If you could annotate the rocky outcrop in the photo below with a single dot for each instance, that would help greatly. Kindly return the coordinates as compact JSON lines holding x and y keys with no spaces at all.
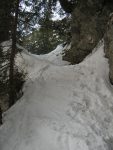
{"x":0,"y":116}
{"x":89,"y":20}
{"x":108,"y":48}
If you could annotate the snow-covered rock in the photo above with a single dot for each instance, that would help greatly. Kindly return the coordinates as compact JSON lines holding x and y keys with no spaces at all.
{"x":63,"y":107}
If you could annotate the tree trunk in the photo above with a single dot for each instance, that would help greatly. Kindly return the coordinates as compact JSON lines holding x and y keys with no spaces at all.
{"x":12,"y":57}
{"x":68,"y":6}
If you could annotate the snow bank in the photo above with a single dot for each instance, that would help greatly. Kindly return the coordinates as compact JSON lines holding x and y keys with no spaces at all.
{"x":63,"y":107}
{"x":55,"y":56}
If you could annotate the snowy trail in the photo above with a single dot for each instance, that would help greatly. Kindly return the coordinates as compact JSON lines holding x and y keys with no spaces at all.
{"x":63,"y":108}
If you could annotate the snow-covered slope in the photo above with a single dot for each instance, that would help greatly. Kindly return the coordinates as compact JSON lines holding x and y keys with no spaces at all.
{"x":63,"y":107}
{"x":55,"y":56}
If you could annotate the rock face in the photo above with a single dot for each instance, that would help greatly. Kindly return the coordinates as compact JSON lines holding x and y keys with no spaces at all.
{"x":108,"y":40}
{"x":0,"y":116}
{"x":89,"y":20}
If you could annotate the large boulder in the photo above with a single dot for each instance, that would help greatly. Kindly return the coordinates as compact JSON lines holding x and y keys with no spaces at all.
{"x":108,"y":48}
{"x":89,"y":20}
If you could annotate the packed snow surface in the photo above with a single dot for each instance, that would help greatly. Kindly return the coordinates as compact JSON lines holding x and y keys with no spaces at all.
{"x":67,"y":107}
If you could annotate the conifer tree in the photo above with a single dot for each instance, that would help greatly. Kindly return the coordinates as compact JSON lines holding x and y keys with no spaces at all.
{"x":12,"y":55}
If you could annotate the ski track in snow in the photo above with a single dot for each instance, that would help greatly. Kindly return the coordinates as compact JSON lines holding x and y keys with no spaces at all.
{"x":63,"y":107}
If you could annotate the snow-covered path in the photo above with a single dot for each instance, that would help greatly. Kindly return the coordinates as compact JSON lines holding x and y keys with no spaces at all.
{"x":63,"y":108}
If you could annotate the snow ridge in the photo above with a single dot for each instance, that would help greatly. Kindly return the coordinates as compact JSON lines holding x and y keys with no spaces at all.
{"x":63,"y":108}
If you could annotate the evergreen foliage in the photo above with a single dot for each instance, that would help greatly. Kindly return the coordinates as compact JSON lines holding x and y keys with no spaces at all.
{"x":5,"y":19}
{"x":46,"y":38}
{"x":7,"y":54}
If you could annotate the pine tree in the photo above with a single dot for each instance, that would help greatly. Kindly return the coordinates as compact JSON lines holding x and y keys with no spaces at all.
{"x":12,"y":56}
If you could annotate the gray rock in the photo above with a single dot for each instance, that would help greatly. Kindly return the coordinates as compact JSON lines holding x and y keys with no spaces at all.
{"x":108,"y":40}
{"x":89,"y":21}
{"x":0,"y":116}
